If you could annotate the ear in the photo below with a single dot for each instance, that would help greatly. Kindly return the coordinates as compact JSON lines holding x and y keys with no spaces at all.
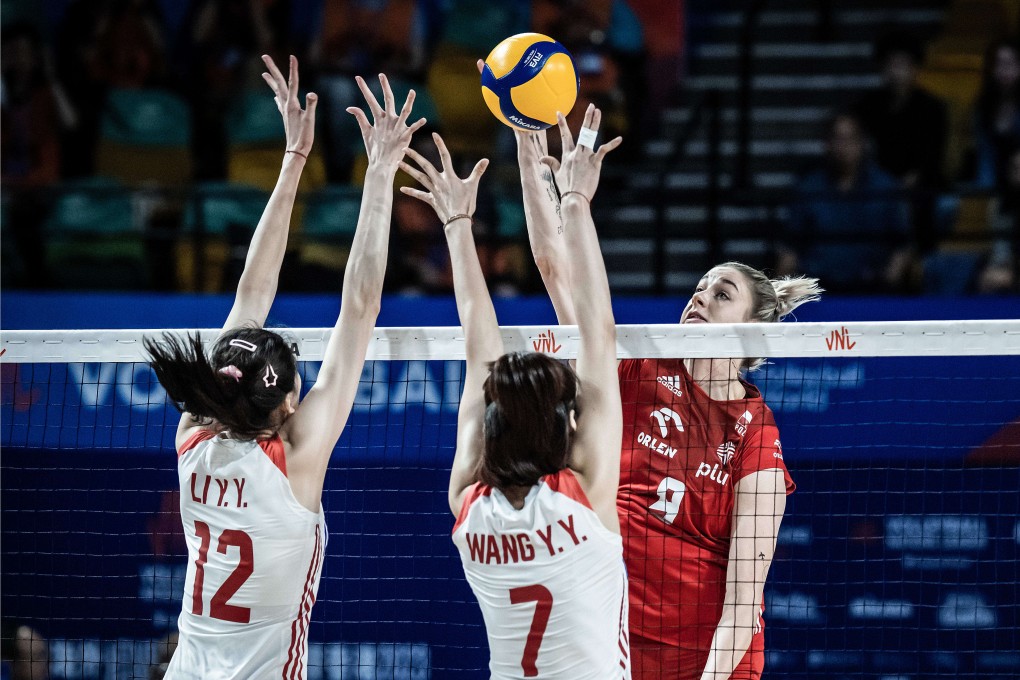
{"x":572,"y":420}
{"x":290,"y":403}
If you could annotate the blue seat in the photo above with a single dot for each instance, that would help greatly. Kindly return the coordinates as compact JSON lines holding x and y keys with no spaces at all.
{"x":222,"y":205}
{"x":950,"y":273}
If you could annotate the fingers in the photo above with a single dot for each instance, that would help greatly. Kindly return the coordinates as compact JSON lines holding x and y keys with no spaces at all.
{"x":311,"y":101}
{"x":272,"y":85}
{"x":481,"y":66}
{"x":418,"y":175}
{"x":420,"y":195}
{"x":607,"y":147}
{"x":553,"y":164}
{"x":362,"y":119}
{"x":274,"y":72}
{"x":417,"y":125}
{"x":406,"y":110}
{"x":424,"y":164}
{"x":478,"y":171}
{"x":590,"y":120}
{"x":292,"y":82}
{"x":565,"y":136}
{"x":387,"y":95}
{"x":373,"y":103}
{"x":444,"y":153}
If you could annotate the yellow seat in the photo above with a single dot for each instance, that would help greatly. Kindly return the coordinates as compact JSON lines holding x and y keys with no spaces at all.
{"x":453,"y":80}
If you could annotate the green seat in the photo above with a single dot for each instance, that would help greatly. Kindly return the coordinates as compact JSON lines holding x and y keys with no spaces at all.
{"x":151,"y":117}
{"x":331,"y":214}
{"x":479,"y":25}
{"x":254,"y":120}
{"x":93,"y":241}
{"x":221,"y":205}
{"x":92,"y":206}
{"x":510,"y":213}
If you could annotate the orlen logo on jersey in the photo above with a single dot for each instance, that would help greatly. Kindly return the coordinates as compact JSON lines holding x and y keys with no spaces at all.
{"x":778,"y":453}
{"x":671,"y":383}
{"x":742,"y":423}
{"x":665,"y":415}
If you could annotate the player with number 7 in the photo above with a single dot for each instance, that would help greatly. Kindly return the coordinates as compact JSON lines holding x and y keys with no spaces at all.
{"x":534,"y":477}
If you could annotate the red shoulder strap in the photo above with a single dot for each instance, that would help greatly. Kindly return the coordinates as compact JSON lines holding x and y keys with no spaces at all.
{"x":274,"y":449}
{"x":565,"y":482}
{"x":193,"y":441}
{"x":476,"y":491}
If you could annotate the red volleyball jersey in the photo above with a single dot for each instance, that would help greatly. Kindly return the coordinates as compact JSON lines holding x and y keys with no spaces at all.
{"x":683,"y":454}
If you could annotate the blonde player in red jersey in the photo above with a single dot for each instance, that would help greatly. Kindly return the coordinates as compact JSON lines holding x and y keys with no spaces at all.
{"x":252,"y":458}
{"x":534,"y":478}
{"x":703,"y":482}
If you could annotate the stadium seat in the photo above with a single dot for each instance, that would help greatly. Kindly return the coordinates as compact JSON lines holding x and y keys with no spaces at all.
{"x":328,"y":225}
{"x":220,"y":216}
{"x":453,"y":80}
{"x":93,"y":239}
{"x":145,"y":137}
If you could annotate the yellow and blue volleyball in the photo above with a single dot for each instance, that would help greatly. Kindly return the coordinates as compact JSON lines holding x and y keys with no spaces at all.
{"x":527,"y":78}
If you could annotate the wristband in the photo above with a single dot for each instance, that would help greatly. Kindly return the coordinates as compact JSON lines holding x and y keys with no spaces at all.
{"x":297,"y":153}
{"x":578,"y":193}
{"x":457,"y":217}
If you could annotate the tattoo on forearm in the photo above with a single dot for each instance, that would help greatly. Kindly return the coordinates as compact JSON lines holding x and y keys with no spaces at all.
{"x":554,"y":195}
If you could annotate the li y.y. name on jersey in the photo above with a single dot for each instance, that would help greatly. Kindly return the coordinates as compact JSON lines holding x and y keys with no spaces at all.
{"x":683,"y":454}
{"x":254,"y":560}
{"x":550,"y":581}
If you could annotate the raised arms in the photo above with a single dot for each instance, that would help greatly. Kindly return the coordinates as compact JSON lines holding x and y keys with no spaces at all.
{"x":454,"y":202}
{"x":314,"y":428}
{"x":257,"y":287}
{"x":595,"y":455}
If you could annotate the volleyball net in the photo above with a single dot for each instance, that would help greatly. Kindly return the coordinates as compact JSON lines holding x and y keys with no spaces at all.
{"x":897,"y":556}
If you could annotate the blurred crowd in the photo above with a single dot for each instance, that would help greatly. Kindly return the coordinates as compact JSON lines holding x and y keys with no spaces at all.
{"x":104,"y":95}
{"x":886,"y":175}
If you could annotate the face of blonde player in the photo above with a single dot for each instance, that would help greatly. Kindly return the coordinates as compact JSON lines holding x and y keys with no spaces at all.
{"x":722,"y":296}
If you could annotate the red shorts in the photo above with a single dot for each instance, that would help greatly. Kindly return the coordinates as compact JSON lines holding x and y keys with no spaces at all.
{"x":651,"y":660}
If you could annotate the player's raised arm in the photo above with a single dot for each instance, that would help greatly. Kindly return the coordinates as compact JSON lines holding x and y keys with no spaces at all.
{"x":314,"y":429}
{"x":257,"y":287}
{"x":596,"y":451}
{"x":454,"y":202}
{"x":757,"y":514}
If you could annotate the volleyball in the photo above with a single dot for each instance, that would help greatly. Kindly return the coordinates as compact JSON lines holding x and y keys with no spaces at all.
{"x":527,"y":78}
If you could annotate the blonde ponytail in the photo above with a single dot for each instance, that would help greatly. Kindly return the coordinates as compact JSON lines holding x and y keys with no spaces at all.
{"x":792,"y":292}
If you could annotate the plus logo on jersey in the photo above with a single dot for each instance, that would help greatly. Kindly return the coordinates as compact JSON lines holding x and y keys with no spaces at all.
{"x":671,"y":383}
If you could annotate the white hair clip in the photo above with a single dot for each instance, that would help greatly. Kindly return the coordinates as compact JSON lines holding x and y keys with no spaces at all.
{"x":243,"y":344}
{"x":265,"y":378}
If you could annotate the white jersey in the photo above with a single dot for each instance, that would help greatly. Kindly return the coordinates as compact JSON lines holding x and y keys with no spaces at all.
{"x":254,"y":558}
{"x":550,"y":581}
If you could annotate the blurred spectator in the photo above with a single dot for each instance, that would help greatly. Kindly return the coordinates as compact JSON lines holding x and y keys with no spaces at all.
{"x":128,"y":49}
{"x":224,"y":40}
{"x":605,"y":39}
{"x":25,"y":652}
{"x":361,"y":37}
{"x":846,"y":223}
{"x":33,"y":111}
{"x":999,"y":274}
{"x":908,"y":125}
{"x":997,"y":115}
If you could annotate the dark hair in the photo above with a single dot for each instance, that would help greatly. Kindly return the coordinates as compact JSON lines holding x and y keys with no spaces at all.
{"x":899,"y":42}
{"x":989,"y":98}
{"x":249,"y":374}
{"x":528,"y":399}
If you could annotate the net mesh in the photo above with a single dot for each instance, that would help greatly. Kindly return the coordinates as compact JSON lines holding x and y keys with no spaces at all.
{"x":898,"y":554}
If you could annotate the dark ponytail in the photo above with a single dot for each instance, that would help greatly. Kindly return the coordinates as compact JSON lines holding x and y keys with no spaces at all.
{"x":249,"y":374}
{"x":528,"y":399}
